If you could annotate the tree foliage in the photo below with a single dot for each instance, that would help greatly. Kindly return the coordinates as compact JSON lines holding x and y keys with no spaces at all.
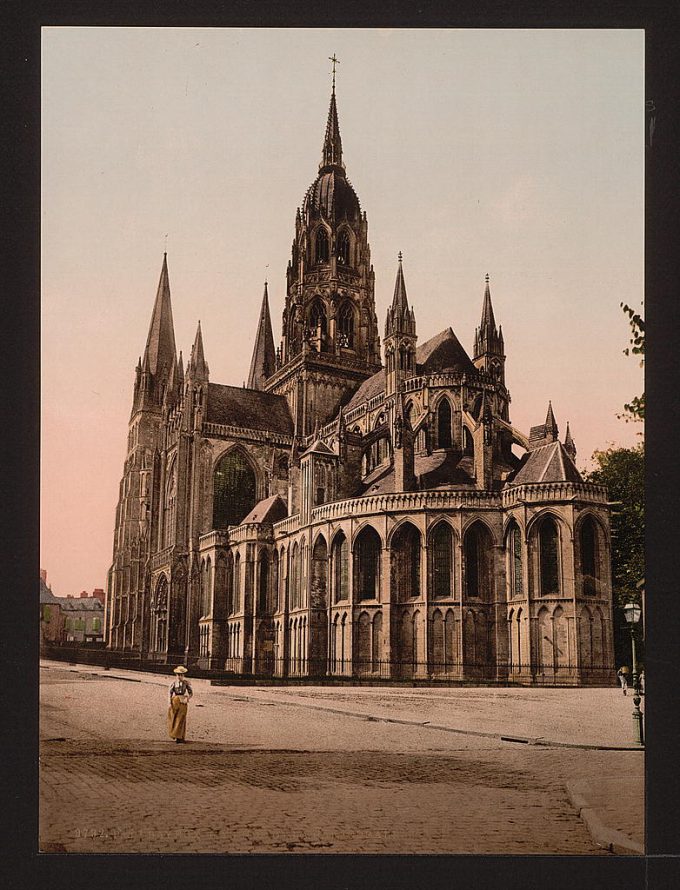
{"x":622,"y":471}
{"x":635,"y":409}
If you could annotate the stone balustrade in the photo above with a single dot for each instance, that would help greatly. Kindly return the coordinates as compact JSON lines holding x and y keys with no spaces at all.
{"x":538,"y":492}
{"x":288,"y":525}
{"x":225,"y":431}
{"x":406,"y":501}
{"x":216,"y":538}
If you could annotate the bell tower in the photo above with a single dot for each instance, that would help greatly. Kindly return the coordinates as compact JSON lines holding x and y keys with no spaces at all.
{"x":330,"y":341}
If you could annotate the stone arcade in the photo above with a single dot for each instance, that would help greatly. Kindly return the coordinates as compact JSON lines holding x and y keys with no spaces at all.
{"x":340,"y":518}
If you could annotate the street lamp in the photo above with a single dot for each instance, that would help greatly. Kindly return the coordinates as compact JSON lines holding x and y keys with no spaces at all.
{"x":632,"y":612}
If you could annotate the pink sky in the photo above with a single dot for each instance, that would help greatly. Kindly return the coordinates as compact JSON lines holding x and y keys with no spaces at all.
{"x":517,"y":153}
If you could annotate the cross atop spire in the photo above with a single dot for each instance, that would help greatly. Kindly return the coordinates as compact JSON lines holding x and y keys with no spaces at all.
{"x":335,"y":62}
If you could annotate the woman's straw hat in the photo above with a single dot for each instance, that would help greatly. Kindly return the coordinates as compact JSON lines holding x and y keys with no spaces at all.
{"x":180,"y":669}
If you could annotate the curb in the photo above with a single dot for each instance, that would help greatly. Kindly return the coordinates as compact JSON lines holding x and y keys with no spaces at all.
{"x":608,"y":838}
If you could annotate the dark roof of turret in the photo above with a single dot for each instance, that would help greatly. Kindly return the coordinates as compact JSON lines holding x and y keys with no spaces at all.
{"x":248,"y":408}
{"x":443,"y":352}
{"x":547,"y":463}
{"x":269,"y":510}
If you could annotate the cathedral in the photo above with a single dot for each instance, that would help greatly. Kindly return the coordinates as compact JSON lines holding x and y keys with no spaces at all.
{"x":357,"y":510}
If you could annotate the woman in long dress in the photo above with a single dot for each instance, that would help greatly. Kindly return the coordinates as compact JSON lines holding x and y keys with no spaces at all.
{"x":180,"y":693}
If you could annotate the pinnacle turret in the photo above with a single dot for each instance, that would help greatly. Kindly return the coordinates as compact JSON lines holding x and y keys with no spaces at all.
{"x":263,"y":363}
{"x":569,"y":444}
{"x":400,"y":319}
{"x":198,"y":367}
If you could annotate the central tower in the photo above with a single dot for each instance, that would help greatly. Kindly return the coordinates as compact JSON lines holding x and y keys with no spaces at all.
{"x":330,"y":341}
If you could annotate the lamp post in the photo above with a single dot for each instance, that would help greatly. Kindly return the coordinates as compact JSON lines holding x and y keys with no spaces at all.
{"x":632,"y":612}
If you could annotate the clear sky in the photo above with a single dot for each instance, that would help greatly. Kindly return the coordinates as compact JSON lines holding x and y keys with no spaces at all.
{"x":517,"y":153}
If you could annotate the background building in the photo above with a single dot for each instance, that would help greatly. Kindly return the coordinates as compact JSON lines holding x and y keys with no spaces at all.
{"x":70,"y":619}
{"x":341,"y":516}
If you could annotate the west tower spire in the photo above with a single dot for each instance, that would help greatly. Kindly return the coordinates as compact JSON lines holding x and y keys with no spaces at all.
{"x":263,"y":363}
{"x":160,"y":348}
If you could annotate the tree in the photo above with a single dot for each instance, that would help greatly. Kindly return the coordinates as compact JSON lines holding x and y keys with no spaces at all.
{"x":635,"y":410}
{"x":622,"y":471}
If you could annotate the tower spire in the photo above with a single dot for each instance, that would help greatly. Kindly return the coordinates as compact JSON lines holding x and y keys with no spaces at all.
{"x":569,"y":445}
{"x":332,"y":144}
{"x":488,"y":320}
{"x":400,"y":300}
{"x":160,"y":347}
{"x":263,"y":363}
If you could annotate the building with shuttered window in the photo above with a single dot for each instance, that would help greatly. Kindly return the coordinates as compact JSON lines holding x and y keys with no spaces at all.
{"x":362,"y":508}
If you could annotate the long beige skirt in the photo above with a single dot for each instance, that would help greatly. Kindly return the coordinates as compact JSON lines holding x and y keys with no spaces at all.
{"x":177,"y":718}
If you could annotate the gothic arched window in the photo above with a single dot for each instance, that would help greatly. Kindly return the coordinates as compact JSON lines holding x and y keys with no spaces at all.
{"x":367,"y":551}
{"x":514,"y":551}
{"x":549,"y":557}
{"x":346,"y":326}
{"x":444,"y":424}
{"x":405,"y":563}
{"x":340,"y":568}
{"x":263,"y":586}
{"x":478,"y":564}
{"x":589,"y":556}
{"x":343,"y":248}
{"x":442,"y":561}
{"x":234,"y":490}
{"x":321,"y":252}
{"x":318,"y":324}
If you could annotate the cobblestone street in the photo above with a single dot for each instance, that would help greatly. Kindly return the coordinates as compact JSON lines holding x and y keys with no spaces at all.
{"x":302,"y":770}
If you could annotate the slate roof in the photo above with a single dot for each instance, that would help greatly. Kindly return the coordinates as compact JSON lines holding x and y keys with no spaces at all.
{"x":443,"y":352}
{"x":270,"y":509}
{"x":248,"y":408}
{"x":80,"y":604}
{"x":547,"y":463}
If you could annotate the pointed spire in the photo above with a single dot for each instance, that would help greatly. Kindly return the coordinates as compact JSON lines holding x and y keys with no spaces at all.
{"x":180,"y":368}
{"x":550,"y":423}
{"x":332,"y":144}
{"x":197,"y":363}
{"x":400,"y":300}
{"x":160,"y":343}
{"x":263,"y":363}
{"x":569,"y":445}
{"x":488,"y":320}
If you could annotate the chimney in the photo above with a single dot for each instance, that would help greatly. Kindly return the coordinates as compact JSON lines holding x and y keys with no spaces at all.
{"x":84,"y":594}
{"x":98,"y":594}
{"x":69,"y":596}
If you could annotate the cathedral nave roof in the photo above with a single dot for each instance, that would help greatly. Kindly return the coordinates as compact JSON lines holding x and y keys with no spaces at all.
{"x":248,"y":408}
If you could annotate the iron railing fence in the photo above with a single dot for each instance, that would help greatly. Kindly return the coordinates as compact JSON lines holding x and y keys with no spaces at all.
{"x":342,"y":671}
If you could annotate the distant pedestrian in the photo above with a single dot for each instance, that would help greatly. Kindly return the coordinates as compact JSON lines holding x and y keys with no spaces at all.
{"x":642,"y":681}
{"x":622,"y":674}
{"x":180,"y":693}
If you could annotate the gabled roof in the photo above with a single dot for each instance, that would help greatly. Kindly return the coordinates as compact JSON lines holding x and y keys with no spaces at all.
{"x":319,"y":447}
{"x":269,"y":510}
{"x":443,"y":352}
{"x":547,"y":463}
{"x":248,"y":408}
